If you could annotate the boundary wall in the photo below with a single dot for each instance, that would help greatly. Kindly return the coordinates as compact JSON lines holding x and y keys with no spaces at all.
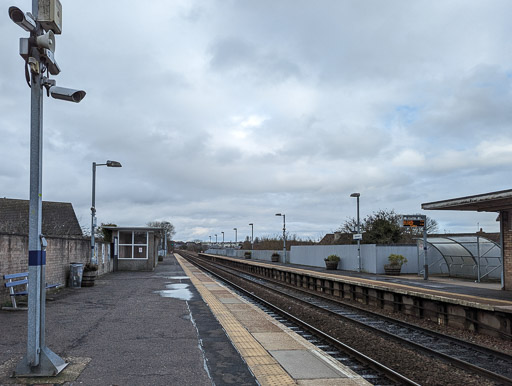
{"x":60,"y":253}
{"x":373,"y":257}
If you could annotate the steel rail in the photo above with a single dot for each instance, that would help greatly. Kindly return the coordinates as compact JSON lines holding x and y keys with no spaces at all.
{"x":450,"y":359}
{"x":376,"y":366}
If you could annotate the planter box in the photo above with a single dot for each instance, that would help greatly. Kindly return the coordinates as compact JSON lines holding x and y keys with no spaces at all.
{"x":88,"y":278}
{"x":331,"y":265}
{"x":393,"y":270}
{"x":275,"y":259}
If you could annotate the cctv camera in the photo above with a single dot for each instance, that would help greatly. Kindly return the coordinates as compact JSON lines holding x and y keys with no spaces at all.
{"x":24,"y":20}
{"x":67,"y":94}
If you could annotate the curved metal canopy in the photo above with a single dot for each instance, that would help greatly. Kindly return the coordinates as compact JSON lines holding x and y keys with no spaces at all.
{"x":464,"y":254}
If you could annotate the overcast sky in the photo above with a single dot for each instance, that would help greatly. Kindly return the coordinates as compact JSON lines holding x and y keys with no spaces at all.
{"x":226,"y":112}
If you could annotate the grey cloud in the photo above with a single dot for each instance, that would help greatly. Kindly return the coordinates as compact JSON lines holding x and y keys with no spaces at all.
{"x":343,"y":94}
{"x":242,"y":58}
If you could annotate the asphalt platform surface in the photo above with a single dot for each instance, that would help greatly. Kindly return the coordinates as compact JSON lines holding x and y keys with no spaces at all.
{"x":131,"y":328}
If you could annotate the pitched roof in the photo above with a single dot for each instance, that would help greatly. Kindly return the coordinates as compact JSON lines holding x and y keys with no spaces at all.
{"x":59,"y":218}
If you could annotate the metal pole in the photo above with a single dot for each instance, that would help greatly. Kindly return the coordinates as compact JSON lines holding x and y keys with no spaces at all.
{"x":222,"y":239}
{"x":165,"y":242}
{"x":284,"y":238}
{"x":358,"y":241}
{"x":93,"y":211}
{"x":478,"y":256}
{"x":236,"y":231}
{"x":425,"y":258}
{"x":504,"y":219}
{"x":252,"y":235}
{"x":39,"y":360}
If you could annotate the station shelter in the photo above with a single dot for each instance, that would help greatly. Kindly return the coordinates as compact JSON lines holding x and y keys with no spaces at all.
{"x":135,"y":248}
{"x":499,"y":202}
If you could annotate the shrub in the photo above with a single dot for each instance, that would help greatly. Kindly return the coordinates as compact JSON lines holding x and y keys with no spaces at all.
{"x":275,"y":254}
{"x":396,"y":259}
{"x":89,"y":267}
{"x":335,"y":258}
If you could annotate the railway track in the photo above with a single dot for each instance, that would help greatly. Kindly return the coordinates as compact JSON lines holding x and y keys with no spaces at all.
{"x":371,"y":370}
{"x":488,"y":364}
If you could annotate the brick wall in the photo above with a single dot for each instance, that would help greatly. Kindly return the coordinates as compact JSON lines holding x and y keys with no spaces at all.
{"x":506,"y":223}
{"x":60,"y":253}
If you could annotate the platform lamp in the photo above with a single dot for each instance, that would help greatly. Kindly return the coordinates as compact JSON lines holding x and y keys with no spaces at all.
{"x":236,"y":235}
{"x":110,"y":164}
{"x":357,"y":195}
{"x":252,"y":235}
{"x":215,"y":238}
{"x":222,"y":239}
{"x":284,"y":235}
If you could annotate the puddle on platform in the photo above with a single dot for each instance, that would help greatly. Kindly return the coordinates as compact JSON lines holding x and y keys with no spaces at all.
{"x":176,"y":291}
{"x":178,"y":277}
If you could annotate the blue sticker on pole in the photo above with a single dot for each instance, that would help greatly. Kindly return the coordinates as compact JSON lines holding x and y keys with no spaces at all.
{"x":36,"y":258}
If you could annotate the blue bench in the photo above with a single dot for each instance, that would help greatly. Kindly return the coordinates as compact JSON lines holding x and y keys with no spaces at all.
{"x":20,"y":279}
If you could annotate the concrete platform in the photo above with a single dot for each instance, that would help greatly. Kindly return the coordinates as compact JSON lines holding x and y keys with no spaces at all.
{"x":154,"y":328}
{"x":275,"y":354}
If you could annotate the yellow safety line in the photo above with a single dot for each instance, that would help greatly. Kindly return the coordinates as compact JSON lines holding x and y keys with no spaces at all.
{"x":264,"y":367}
{"x":374,"y":283}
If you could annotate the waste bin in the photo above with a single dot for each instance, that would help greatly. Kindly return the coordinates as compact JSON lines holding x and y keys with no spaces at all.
{"x":75,"y":275}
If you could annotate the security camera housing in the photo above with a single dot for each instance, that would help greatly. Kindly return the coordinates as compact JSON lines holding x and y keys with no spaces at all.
{"x":67,"y":94}
{"x":24,"y":20}
{"x":50,"y":62}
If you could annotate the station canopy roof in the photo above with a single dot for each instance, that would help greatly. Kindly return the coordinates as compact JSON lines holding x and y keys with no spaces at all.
{"x":487,"y":202}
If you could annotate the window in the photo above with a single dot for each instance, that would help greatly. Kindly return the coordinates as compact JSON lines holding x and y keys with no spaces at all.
{"x":133,"y":245}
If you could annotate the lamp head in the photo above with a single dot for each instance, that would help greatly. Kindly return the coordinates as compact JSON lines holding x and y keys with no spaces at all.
{"x":278,"y":214}
{"x":251,"y":224}
{"x":355,"y":194}
{"x":114,"y":164}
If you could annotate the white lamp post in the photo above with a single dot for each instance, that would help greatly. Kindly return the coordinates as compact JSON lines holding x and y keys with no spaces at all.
{"x":284,"y":235}
{"x":252,"y":235}
{"x":357,"y":195}
{"x":110,"y":164}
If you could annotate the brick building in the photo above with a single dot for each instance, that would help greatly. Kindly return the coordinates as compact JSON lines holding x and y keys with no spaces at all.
{"x":59,"y":218}
{"x":66,"y":243}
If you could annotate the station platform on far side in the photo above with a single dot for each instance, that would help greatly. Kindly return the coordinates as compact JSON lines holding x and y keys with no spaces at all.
{"x":442,"y":287}
{"x":171,"y":326}
{"x":485,"y":292}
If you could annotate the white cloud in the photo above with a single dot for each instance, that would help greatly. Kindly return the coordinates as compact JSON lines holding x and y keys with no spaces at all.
{"x":224,"y":113}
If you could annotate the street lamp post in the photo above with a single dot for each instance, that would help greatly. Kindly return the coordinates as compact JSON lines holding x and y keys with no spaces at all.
{"x":222,"y":239}
{"x":252,"y":235}
{"x":236,"y":235}
{"x":215,"y":238}
{"x":357,"y":195}
{"x":210,"y":239}
{"x":110,"y":164}
{"x":39,"y":63}
{"x":284,"y":236}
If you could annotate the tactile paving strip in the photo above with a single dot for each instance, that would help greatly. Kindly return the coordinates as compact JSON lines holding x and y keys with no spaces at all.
{"x":264,"y":367}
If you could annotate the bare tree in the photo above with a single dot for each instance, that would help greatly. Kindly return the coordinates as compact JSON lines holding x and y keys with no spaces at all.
{"x":166,"y":227}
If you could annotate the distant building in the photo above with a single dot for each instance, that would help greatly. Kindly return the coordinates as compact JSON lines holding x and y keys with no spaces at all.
{"x":59,"y":218}
{"x":336,"y":238}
